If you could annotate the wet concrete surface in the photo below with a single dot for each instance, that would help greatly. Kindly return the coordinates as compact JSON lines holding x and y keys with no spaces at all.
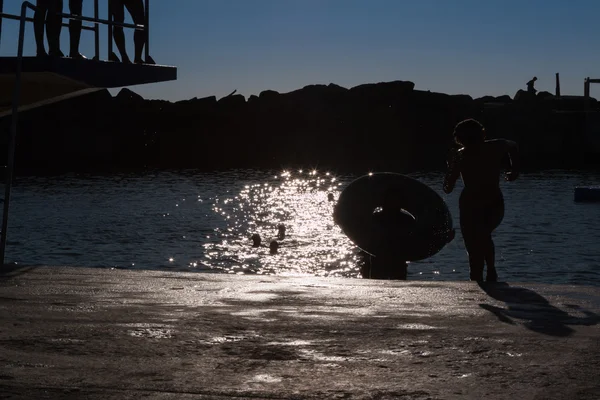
{"x":115,"y":334}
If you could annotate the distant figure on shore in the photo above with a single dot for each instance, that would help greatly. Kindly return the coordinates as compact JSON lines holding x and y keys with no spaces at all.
{"x":530,"y":88}
{"x":45,"y":16}
{"x":136,"y":10}
{"x":256,"y":240}
{"x":481,"y":203}
{"x":75,"y":8}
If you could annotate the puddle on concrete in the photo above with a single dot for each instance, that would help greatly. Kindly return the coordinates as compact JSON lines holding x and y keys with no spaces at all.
{"x":265,"y":378}
{"x":322,"y":357}
{"x":420,"y":327}
{"x":256,"y":315}
{"x":79,"y":308}
{"x":224,"y":339}
{"x":475,"y":338}
{"x":514,"y":354}
{"x":396,"y":352}
{"x":145,"y":325}
{"x":152,"y":333}
{"x":27,"y":365}
{"x":416,"y":315}
{"x":66,"y":340}
{"x":294,"y":343}
{"x":424,"y":353}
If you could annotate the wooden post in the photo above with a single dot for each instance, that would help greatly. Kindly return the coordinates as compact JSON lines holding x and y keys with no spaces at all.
{"x":586,"y":93}
{"x":557,"y":93}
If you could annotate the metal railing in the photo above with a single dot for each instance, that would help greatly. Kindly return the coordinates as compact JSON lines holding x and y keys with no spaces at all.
{"x":95,"y":28}
{"x":22,"y":18}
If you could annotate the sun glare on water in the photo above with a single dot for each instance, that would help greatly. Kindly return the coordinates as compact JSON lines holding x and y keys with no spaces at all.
{"x":312,"y":245}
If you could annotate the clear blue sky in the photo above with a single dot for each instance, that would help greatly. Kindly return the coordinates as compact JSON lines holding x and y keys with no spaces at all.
{"x":475,"y":47}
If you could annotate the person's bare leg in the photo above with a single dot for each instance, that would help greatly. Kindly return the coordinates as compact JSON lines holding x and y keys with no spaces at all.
{"x":54,"y":27}
{"x":39,"y":18}
{"x":490,"y":261}
{"x":75,"y":8}
{"x":118,"y":13}
{"x":136,"y":10}
{"x":476,"y":250}
{"x":476,"y":263}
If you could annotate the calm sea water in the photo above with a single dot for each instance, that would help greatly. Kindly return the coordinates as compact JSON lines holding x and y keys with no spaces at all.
{"x":189,"y":221}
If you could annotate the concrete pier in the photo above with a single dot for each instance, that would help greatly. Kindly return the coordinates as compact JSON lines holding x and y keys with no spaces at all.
{"x":117,"y":334}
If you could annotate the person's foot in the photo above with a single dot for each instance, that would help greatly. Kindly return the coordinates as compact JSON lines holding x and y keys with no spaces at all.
{"x":113,"y":57}
{"x":150,"y":60}
{"x":56,"y":53}
{"x":41,"y":53}
{"x":77,"y":55}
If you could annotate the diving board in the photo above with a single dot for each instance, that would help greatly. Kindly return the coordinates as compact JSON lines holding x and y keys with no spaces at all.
{"x":46,"y":80}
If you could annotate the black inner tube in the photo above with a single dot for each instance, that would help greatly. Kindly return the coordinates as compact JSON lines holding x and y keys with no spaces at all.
{"x":373,"y":211}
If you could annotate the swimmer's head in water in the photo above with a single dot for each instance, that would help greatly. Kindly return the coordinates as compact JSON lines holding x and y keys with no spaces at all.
{"x":273,"y":246}
{"x":255,"y":240}
{"x":469,"y":132}
{"x":281,"y":231}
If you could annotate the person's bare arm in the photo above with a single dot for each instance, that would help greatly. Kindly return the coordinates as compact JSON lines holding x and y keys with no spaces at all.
{"x":515,"y":165}
{"x":452,"y":174}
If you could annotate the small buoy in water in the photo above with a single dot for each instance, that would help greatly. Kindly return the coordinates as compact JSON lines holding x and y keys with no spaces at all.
{"x":587,"y":194}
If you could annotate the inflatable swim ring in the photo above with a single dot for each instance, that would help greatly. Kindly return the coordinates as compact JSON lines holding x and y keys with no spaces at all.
{"x":423,"y":234}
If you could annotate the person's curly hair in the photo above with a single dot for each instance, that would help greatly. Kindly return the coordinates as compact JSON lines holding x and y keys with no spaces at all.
{"x":469,"y":132}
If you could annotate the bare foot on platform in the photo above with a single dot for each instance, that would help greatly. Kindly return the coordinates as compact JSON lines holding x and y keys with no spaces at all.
{"x":78,"y":56}
{"x":56,"y":53}
{"x":113,"y":57}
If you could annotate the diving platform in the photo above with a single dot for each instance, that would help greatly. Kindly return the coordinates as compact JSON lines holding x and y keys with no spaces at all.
{"x":46,"y":80}
{"x":29,"y":82}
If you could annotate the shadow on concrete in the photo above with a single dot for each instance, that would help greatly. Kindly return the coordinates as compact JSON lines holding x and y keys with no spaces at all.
{"x":11,"y":270}
{"x":537,"y":312}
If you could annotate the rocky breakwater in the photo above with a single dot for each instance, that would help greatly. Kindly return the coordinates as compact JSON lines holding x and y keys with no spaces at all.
{"x":379,"y":126}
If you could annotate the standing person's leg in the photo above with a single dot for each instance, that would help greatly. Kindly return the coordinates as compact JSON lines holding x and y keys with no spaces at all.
{"x":117,"y":10}
{"x":470,"y":226}
{"x":39,"y":18}
{"x":476,"y":251}
{"x":136,"y":10}
{"x":53,"y":27}
{"x":75,"y":8}
{"x":490,"y":260}
{"x":493,"y":220}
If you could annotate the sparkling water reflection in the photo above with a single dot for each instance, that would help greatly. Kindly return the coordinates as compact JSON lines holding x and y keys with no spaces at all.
{"x":203,"y":222}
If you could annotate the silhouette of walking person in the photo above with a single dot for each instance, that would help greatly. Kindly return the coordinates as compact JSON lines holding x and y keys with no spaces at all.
{"x":46,"y":15}
{"x":136,"y":10}
{"x":75,"y":8}
{"x":481,"y":203}
{"x":530,"y":88}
